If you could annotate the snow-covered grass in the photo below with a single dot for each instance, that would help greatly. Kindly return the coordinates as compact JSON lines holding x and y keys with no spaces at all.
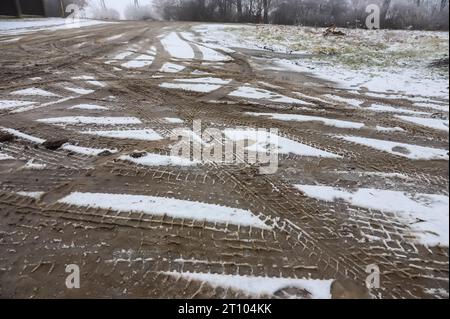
{"x":426,"y":214}
{"x":161,"y":206}
{"x":381,"y":60}
{"x":261,"y":286}
{"x":414,"y":152}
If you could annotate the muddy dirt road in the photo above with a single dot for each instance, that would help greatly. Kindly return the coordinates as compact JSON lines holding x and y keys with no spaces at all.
{"x":83,"y":113}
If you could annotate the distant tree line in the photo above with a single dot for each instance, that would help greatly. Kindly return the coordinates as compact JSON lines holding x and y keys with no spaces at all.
{"x":396,"y":14}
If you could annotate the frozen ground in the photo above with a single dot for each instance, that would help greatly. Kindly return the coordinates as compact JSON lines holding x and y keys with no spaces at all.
{"x":382,"y":61}
{"x":91,"y":120}
{"x":20,"y":26}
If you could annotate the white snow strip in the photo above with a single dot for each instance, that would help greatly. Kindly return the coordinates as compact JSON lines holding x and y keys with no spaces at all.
{"x":390,"y":109}
{"x":34,"y":92}
{"x":33,"y":107}
{"x":257,"y":94}
{"x":426,"y":214}
{"x":137,"y":63}
{"x":260,"y":286}
{"x":443,"y":108}
{"x":83,"y":77}
{"x":351,"y":102}
{"x":143,"y":135}
{"x":376,"y":174}
{"x":11,"y":40}
{"x":307,"y":118}
{"x":201,"y":87}
{"x":80,"y":91}
{"x":436,"y":124}
{"x":85,"y":150}
{"x":123,"y":55}
{"x":23,"y":136}
{"x":198,"y":72}
{"x":263,"y":141}
{"x":207,"y":80}
{"x":159,"y":160}
{"x":389,"y":129}
{"x":176,"y":47}
{"x":87,"y":107}
{"x":173,"y":120}
{"x":161,"y":206}
{"x":34,"y":195}
{"x":212,"y":55}
{"x":144,"y":57}
{"x":10,"y":104}
{"x":171,"y":68}
{"x":304,"y":96}
{"x":114,"y":37}
{"x":4,"y":157}
{"x":96,"y":83}
{"x":410,"y":151}
{"x":100,"y":120}
{"x":33,"y":166}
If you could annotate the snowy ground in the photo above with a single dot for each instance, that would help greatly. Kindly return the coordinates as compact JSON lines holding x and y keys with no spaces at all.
{"x":88,"y":118}
{"x":382,"y":61}
{"x":21,"y":26}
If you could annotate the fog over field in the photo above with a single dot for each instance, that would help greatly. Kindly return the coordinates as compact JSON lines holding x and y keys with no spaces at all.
{"x":397,"y":14}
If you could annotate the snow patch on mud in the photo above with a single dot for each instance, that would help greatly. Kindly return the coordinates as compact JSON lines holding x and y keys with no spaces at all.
{"x":162,"y":206}
{"x":261,"y":286}
{"x":414,"y":152}
{"x":159,"y":160}
{"x":34,"y":92}
{"x":307,"y":118}
{"x":426,"y":214}
{"x":10,"y":104}
{"x":142,"y":135}
{"x":91,"y":120}
{"x":177,"y":47}
{"x":257,"y":94}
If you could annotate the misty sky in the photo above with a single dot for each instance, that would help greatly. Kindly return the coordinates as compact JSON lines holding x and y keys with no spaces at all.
{"x":119,"y":5}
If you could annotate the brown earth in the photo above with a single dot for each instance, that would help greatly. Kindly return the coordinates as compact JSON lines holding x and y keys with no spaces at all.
{"x":125,"y":254}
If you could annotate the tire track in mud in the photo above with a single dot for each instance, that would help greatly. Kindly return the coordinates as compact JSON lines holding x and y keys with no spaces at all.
{"x":310,"y":237}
